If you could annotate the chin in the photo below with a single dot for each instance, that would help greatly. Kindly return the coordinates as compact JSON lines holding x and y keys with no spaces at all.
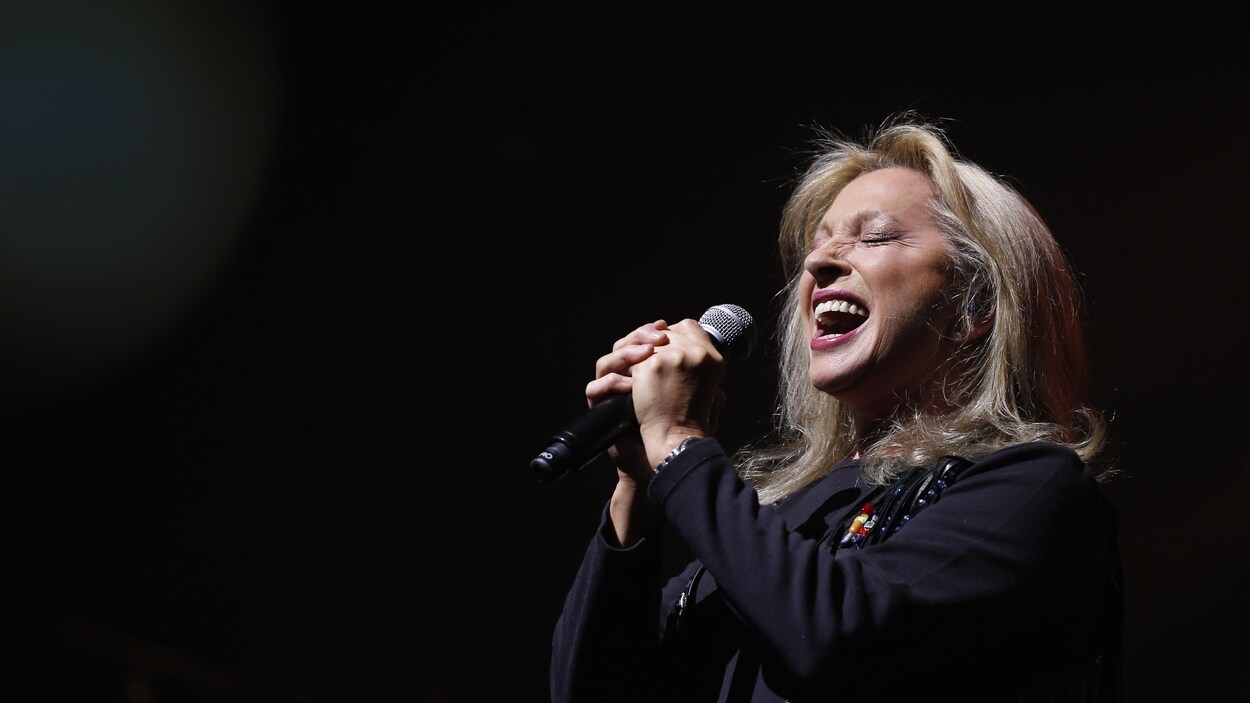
{"x":831,"y":385}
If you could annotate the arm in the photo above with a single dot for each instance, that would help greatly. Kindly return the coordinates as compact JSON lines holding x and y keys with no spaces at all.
{"x":606,"y":644}
{"x":1011,"y":556}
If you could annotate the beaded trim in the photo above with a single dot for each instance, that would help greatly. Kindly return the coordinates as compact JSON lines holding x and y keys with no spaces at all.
{"x":888,"y":508}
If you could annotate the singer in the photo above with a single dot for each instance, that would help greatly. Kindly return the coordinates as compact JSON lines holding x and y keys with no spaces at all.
{"x":927,"y":520}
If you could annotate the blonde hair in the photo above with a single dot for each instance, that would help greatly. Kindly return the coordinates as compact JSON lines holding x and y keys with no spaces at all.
{"x":1025,"y":380}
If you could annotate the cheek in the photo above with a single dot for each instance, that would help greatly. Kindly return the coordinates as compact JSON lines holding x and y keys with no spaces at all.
{"x":919,"y":304}
{"x":807,"y":286}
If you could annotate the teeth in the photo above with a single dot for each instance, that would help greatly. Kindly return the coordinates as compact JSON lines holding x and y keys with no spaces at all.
{"x":840,"y":306}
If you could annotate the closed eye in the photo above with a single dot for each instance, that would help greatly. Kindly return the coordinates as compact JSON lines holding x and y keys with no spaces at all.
{"x":876,"y":236}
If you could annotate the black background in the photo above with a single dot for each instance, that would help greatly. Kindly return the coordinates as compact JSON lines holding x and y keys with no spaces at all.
{"x":312,"y":483}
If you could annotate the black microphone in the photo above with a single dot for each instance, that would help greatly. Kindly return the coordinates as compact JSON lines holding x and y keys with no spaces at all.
{"x":732,"y":330}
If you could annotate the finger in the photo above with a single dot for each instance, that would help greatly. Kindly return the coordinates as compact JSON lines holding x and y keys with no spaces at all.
{"x":623,"y":357}
{"x":690,"y":332}
{"x":611,"y":384}
{"x":650,"y":333}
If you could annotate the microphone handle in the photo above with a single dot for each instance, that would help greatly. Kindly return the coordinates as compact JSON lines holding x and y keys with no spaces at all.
{"x":585,"y":438}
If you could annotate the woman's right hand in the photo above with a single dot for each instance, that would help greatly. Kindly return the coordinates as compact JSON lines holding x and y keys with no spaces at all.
{"x":632,"y":515}
{"x":673,"y":374}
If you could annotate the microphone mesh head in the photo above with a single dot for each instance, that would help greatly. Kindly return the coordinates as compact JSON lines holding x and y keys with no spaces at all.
{"x":732,"y":328}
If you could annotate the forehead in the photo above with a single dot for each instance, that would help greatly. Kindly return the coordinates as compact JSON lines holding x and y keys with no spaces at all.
{"x":900,"y":192}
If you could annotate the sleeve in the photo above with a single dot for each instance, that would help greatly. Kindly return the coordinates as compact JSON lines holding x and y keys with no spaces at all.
{"x":1009,"y":557}
{"x":606,"y":644}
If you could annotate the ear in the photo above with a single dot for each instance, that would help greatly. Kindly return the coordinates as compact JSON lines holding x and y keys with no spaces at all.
{"x":980,"y":325}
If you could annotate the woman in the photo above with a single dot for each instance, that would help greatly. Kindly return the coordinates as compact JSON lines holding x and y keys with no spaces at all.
{"x":927,"y":519}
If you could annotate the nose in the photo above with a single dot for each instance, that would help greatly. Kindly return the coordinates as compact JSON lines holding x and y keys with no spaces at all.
{"x":825,"y":264}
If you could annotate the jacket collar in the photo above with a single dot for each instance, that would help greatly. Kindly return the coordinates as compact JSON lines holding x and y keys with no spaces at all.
{"x":839,"y":490}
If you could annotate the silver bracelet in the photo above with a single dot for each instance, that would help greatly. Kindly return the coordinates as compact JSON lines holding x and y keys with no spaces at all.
{"x":678,"y":450}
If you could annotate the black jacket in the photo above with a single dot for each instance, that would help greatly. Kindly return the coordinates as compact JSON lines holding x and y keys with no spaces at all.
{"x":1004,"y":588}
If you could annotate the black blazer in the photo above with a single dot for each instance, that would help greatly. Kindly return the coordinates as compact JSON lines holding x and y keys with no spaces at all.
{"x":1004,"y":588}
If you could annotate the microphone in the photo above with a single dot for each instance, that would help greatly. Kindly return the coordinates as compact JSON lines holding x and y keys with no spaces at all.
{"x":733,"y":332}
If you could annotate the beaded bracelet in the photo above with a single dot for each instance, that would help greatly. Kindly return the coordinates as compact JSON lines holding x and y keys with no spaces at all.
{"x":678,"y":450}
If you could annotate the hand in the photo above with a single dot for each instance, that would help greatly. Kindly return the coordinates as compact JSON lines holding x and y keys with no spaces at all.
{"x":612,"y":377}
{"x":674,"y":375}
{"x":676,"y":389}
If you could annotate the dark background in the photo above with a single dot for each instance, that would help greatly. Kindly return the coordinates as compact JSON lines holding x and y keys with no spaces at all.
{"x":291,"y":294}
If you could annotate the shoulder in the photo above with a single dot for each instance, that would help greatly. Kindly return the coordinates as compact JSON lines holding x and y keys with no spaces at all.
{"x":1037,"y":469}
{"x":1041,"y":457}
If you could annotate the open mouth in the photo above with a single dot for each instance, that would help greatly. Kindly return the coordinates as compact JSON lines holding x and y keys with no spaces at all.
{"x":837,"y":317}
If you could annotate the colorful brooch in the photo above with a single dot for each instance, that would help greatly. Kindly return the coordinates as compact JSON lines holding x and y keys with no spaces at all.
{"x":860,"y":526}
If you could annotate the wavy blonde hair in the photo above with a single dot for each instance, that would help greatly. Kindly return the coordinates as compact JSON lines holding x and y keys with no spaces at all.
{"x":1025,"y":380}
